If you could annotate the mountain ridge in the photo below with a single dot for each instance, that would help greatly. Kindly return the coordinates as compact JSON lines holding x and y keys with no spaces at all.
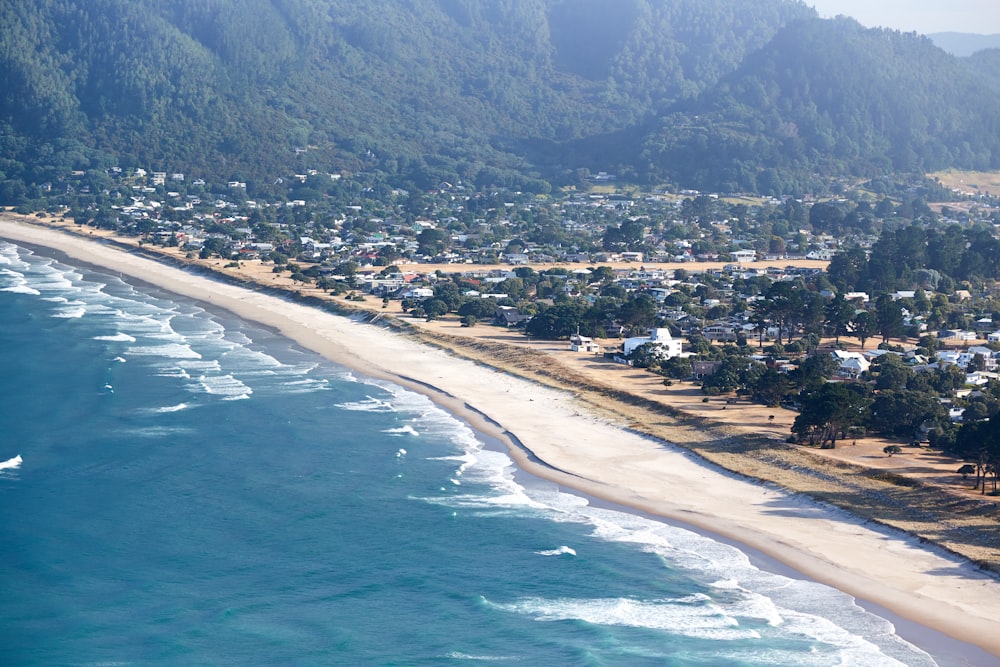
{"x":505,"y":93}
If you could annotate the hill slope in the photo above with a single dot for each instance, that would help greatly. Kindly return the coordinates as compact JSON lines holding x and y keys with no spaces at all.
{"x":495,"y":92}
{"x":832,"y":98}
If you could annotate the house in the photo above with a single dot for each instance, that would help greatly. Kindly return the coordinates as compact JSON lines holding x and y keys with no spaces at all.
{"x":420,"y":293}
{"x":956,"y":334}
{"x":857,"y":296}
{"x":671,"y":346}
{"x":744,"y":256}
{"x":852,"y":364}
{"x":578,"y":343}
{"x":722,"y":332}
{"x":509,"y":316}
{"x":703,"y":369}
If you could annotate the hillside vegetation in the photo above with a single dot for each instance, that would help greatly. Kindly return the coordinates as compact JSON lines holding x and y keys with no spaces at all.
{"x":720,"y":94}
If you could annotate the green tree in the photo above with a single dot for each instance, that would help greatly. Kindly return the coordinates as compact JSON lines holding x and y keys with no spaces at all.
{"x":864,"y":325}
{"x":838,"y":314}
{"x":889,"y":316}
{"x":902,"y":413}
{"x":638,"y":313}
{"x":813,"y":371}
{"x":432,"y":241}
{"x":827,"y":412}
{"x":891,"y":373}
{"x":435,"y":308}
{"x":559,"y":321}
{"x":481,"y":309}
{"x":648,"y":355}
{"x":770,"y":387}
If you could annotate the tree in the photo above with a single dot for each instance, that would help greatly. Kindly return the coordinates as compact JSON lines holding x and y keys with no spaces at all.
{"x":736,"y":372}
{"x":783,"y":304}
{"x":432,"y":241}
{"x":891,"y":373}
{"x":889,"y":316}
{"x":481,"y":309}
{"x":770,"y":387}
{"x":638,"y":313}
{"x":838,"y":314}
{"x":827,"y":412}
{"x":678,"y":368}
{"x":648,"y":355}
{"x":435,"y":308}
{"x":813,"y":371}
{"x":559,"y":321}
{"x":825,"y":217}
{"x":864,"y":326}
{"x":904,"y":413}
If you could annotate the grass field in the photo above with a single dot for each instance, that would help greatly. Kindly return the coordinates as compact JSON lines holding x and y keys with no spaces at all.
{"x":978,"y":182}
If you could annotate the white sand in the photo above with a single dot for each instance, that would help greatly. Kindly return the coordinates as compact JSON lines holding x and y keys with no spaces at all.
{"x":921,"y":584}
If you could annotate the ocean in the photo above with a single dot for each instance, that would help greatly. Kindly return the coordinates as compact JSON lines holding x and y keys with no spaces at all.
{"x":179,"y":487}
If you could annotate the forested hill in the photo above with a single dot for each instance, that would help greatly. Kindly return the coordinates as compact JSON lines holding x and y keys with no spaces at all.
{"x":830,"y":97}
{"x":492,"y":92}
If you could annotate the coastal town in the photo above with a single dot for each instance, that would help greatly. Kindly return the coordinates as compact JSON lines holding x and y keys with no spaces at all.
{"x":753,"y":301}
{"x":739,"y":359}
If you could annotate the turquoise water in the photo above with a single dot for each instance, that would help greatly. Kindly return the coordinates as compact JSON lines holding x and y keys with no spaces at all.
{"x":179,"y":487}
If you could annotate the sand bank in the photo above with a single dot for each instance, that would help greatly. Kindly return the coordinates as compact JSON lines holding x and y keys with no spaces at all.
{"x":575,"y":449}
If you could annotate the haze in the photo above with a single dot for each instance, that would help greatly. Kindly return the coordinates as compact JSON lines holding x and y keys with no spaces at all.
{"x":922,"y":16}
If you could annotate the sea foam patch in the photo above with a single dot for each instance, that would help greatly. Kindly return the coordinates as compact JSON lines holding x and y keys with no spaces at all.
{"x":12,"y":463}
{"x":688,"y":617}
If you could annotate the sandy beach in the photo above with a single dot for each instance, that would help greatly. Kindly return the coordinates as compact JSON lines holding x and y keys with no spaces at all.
{"x":555,"y":436}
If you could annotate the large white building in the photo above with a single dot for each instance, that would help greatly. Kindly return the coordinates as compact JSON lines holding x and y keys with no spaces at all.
{"x":671,"y":346}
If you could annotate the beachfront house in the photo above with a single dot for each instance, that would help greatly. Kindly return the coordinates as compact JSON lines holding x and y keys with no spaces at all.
{"x":578,"y":343}
{"x":670,"y":346}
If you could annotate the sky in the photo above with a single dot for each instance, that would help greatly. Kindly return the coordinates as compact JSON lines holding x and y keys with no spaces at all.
{"x":922,"y":16}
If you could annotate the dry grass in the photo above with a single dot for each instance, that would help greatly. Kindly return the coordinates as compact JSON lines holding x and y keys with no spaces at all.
{"x":973,"y":182}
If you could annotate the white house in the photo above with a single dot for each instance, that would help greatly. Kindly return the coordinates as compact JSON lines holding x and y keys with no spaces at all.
{"x":852,"y":364}
{"x":578,"y":343}
{"x":671,"y":346}
{"x":418,"y":293}
{"x":722,"y":332}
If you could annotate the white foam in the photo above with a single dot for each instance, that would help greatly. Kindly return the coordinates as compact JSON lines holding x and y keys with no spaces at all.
{"x":458,"y":655}
{"x":226,"y":386}
{"x":21,"y":289}
{"x":160,"y":431}
{"x":171,"y":408}
{"x":12,"y":464}
{"x":169,"y":351}
{"x":749,"y":601}
{"x":306,"y":386}
{"x":561,"y":551}
{"x":687,"y":617}
{"x":402,"y":430}
{"x":370,"y":404}
{"x":73,"y":313}
{"x":118,"y":337}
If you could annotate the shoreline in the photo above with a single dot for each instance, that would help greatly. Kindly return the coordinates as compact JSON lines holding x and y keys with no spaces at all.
{"x":895,"y":572}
